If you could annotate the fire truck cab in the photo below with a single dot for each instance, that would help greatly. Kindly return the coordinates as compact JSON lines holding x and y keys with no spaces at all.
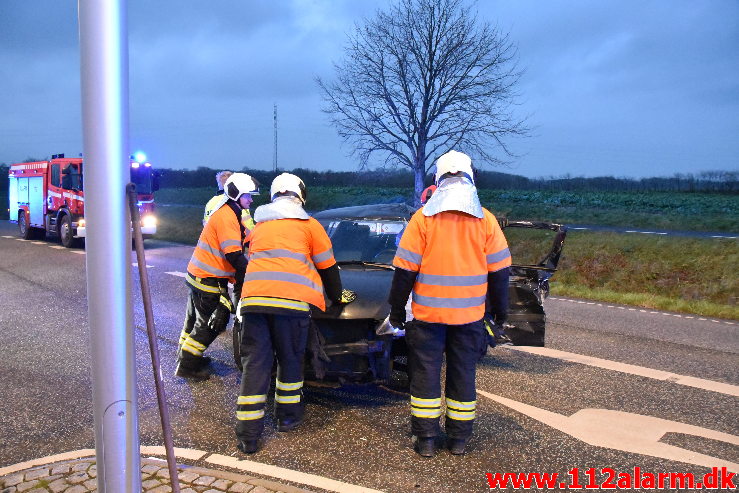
{"x":47,"y":197}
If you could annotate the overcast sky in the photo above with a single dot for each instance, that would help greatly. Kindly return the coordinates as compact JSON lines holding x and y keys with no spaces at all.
{"x":612,"y":87}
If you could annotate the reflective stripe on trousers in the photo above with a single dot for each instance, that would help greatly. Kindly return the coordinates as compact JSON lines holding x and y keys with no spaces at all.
{"x":197,"y":333}
{"x":427,"y":344}
{"x":264,"y":336}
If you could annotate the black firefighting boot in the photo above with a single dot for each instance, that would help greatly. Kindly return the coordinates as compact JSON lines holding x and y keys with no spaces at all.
{"x":191,"y":367}
{"x":197,"y":374}
{"x":424,"y":446}
{"x":248,"y":446}
{"x":456,"y":446}
{"x":289,"y":424}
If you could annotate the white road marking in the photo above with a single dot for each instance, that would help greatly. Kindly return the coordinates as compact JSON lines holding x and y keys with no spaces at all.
{"x":626,"y":432}
{"x":57,"y":247}
{"x":579,"y":228}
{"x":79,"y":252}
{"x":699,"y":383}
{"x":21,"y":239}
{"x":184,"y":453}
{"x":177,"y":274}
{"x":11,"y":237}
{"x":677,"y":315}
{"x":39,"y":242}
{"x":135,"y":264}
{"x":719,"y":236}
{"x":287,"y":474}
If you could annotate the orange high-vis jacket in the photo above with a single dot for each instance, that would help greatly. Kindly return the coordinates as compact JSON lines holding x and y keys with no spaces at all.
{"x":221,"y":235}
{"x":453,"y":253}
{"x":283,"y":257}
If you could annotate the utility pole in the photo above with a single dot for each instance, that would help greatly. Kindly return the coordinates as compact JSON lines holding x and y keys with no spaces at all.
{"x":104,"y":77}
{"x":274,"y":161}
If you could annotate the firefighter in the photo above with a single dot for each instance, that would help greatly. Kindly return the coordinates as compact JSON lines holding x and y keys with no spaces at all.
{"x":210,"y":206}
{"x":227,"y":304}
{"x":453,"y":257}
{"x":215,"y":201}
{"x":427,"y":193}
{"x":291,"y":265}
{"x":218,"y":260}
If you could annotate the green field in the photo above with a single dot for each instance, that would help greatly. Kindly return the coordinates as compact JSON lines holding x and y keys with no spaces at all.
{"x":668,"y":273}
{"x":658,"y":210}
{"x":691,"y":275}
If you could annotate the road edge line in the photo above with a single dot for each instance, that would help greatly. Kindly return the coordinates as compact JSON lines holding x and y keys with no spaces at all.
{"x":642,"y":371}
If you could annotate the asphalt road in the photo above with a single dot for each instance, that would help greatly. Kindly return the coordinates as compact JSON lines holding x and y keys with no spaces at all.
{"x":609,"y":377}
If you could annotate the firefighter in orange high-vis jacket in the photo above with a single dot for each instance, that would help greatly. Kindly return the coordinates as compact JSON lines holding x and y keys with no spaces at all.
{"x":217,"y":260}
{"x":454,"y":258}
{"x":222,"y":314}
{"x":291,"y":263}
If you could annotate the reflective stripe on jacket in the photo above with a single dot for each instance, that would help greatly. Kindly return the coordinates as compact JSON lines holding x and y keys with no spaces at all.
{"x":283,"y":257}
{"x":453,"y":253}
{"x":221,"y":235}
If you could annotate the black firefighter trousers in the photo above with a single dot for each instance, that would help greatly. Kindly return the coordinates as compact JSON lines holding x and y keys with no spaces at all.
{"x":263,"y":337}
{"x":427,"y":344}
{"x":199,"y":329}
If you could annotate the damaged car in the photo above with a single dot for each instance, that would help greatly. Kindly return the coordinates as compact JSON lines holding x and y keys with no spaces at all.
{"x":355,"y":342}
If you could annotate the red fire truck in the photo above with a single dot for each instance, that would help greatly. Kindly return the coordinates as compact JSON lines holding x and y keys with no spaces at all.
{"x":47,"y":197}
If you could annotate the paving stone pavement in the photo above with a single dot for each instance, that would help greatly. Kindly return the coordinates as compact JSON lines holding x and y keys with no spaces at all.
{"x":79,"y":476}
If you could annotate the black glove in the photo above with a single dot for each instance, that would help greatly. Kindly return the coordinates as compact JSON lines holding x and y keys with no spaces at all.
{"x":496,"y":332}
{"x":397,"y":316}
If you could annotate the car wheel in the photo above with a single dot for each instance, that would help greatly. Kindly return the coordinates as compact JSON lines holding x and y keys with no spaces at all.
{"x":65,"y":232}
{"x":236,"y":338}
{"x":399,"y":378}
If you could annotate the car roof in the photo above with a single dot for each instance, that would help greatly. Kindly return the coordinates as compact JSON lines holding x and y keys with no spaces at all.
{"x":373,"y":211}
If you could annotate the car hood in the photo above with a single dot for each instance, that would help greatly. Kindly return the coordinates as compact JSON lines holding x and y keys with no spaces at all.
{"x":372,"y":285}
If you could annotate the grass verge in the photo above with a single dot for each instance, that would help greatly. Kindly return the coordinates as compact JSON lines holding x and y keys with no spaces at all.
{"x":693,"y":275}
{"x":644,"y":300}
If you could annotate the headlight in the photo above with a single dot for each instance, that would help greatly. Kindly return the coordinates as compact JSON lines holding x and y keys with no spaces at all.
{"x":149,"y":221}
{"x":81,"y":223}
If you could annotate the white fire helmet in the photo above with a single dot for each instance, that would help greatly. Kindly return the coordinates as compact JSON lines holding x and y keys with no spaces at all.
{"x":288,"y":184}
{"x":238,"y":184}
{"x":453,"y":162}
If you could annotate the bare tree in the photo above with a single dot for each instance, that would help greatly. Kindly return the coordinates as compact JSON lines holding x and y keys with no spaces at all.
{"x":422,"y":78}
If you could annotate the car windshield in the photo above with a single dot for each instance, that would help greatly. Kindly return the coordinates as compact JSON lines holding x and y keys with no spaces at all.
{"x":372,"y":241}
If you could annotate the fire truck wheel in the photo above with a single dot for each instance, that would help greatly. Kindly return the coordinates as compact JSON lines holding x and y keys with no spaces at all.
{"x":27,"y":232}
{"x":66,"y":233}
{"x":23,"y":227}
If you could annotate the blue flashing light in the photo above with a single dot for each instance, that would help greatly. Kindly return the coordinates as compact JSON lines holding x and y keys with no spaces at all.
{"x":139,"y":157}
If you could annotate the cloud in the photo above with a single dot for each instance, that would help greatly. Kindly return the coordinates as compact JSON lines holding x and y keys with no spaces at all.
{"x":614,"y":87}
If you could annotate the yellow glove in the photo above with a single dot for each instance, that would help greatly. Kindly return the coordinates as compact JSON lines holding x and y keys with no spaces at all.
{"x":347,"y":296}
